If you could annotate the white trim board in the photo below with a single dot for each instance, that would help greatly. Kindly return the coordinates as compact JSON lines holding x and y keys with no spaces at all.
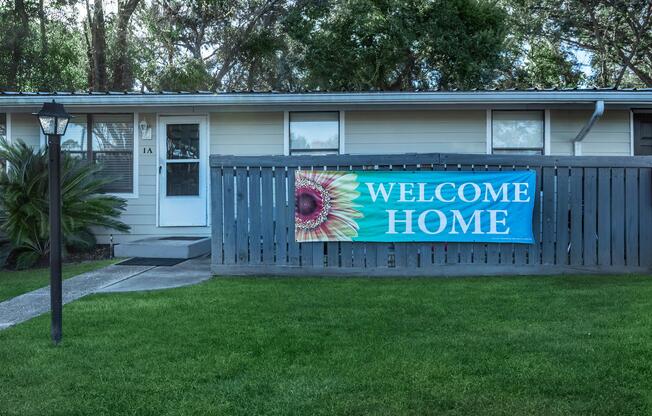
{"x":546,"y":132}
{"x":342,"y":131}
{"x":631,"y":132}
{"x":489,"y":133}
{"x":286,"y":133}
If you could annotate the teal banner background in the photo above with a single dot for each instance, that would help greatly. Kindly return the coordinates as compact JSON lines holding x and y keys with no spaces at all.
{"x":391,"y":206}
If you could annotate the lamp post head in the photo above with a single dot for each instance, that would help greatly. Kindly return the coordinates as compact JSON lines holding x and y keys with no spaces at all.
{"x":53,"y":119}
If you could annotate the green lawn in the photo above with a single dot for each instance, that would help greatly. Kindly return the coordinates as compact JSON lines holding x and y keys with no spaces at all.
{"x":14,"y":283}
{"x":499,"y":346}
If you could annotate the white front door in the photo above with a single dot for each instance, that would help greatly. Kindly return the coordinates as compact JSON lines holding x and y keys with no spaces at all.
{"x":183,"y":159}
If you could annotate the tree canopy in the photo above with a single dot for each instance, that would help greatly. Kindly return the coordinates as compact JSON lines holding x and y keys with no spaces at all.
{"x":323,"y":44}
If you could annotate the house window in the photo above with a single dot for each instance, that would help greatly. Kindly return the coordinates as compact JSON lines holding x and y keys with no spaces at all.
{"x":314,"y":133}
{"x":108,"y":140}
{"x":517,"y":132}
{"x":3,"y":136}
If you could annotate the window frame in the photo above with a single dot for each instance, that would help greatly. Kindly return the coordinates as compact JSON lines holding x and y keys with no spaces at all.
{"x":544,"y":132}
{"x":288,"y":134}
{"x":89,"y":151}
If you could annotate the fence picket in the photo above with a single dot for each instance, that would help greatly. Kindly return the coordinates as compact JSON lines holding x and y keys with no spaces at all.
{"x":294,"y":250}
{"x":229,"y":217}
{"x":255,"y":250}
{"x":548,"y":220}
{"x":534,"y":250}
{"x":242,"y":221}
{"x":576,"y":212}
{"x":631,"y":215}
{"x":267,"y":214}
{"x":590,"y":216}
{"x":563,"y":216}
{"x":217,"y":225}
{"x":280,"y":215}
{"x":618,"y":217}
{"x":604,"y":216}
{"x":645,"y":217}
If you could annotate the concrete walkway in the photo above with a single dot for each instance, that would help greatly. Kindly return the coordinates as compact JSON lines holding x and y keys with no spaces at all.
{"x":109,"y":279}
{"x":189,"y":272}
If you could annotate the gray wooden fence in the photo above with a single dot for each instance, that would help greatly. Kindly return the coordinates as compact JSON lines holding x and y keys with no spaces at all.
{"x":591,"y":215}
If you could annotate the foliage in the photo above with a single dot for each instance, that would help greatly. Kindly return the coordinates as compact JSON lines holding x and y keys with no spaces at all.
{"x":393,"y":44}
{"x":5,"y":246}
{"x":616,"y":34}
{"x":543,"y":65}
{"x":323,"y":44}
{"x":208,"y":45}
{"x":33,"y":60}
{"x":24,"y":200}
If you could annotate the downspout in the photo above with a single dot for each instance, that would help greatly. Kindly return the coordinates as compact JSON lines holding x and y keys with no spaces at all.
{"x":597,"y":113}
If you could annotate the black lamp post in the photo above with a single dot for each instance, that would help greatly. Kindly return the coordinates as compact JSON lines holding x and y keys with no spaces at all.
{"x":54,"y":121}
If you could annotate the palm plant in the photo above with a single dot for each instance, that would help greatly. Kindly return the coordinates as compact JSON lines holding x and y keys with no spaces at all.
{"x":24,"y":201}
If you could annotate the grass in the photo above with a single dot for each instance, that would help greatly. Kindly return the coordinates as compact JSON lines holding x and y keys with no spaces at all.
{"x":14,"y":283}
{"x":499,"y":346}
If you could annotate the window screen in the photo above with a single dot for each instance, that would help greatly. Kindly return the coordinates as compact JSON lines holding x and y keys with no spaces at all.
{"x":517,"y":132}
{"x":75,"y":141}
{"x":109,"y":143}
{"x":314,"y":132}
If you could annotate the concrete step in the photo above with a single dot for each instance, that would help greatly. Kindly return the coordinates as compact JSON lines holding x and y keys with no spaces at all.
{"x":165,"y":247}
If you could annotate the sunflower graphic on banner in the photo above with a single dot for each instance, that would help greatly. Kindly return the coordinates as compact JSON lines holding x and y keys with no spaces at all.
{"x":324,"y":206}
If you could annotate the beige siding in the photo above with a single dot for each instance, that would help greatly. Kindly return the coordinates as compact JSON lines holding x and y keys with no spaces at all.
{"x":256,"y":133}
{"x":25,"y":127}
{"x":610,"y":135}
{"x":415,"y":131}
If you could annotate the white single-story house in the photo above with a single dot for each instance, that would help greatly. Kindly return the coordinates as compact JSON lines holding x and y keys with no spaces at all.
{"x":157,"y":145}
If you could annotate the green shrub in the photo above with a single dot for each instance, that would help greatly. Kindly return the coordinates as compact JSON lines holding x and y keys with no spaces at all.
{"x":25,"y":205}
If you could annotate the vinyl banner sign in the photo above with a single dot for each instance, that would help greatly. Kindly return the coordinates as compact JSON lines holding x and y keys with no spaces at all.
{"x":402,"y":206}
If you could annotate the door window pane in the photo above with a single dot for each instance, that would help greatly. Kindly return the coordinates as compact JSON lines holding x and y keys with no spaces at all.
{"x":182,"y":179}
{"x":518,"y":131}
{"x":183,"y":141}
{"x":314,"y":132}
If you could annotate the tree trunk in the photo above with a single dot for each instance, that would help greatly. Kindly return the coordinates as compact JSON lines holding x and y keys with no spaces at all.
{"x":122,"y":76}
{"x":98,"y":39}
{"x":42,"y":22}
{"x":18,"y":42}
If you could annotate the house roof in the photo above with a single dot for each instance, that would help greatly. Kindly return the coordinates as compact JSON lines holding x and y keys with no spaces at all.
{"x":611,"y":96}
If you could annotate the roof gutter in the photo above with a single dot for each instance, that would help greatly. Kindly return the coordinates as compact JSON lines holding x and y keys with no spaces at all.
{"x":597,"y":113}
{"x":335,"y":99}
